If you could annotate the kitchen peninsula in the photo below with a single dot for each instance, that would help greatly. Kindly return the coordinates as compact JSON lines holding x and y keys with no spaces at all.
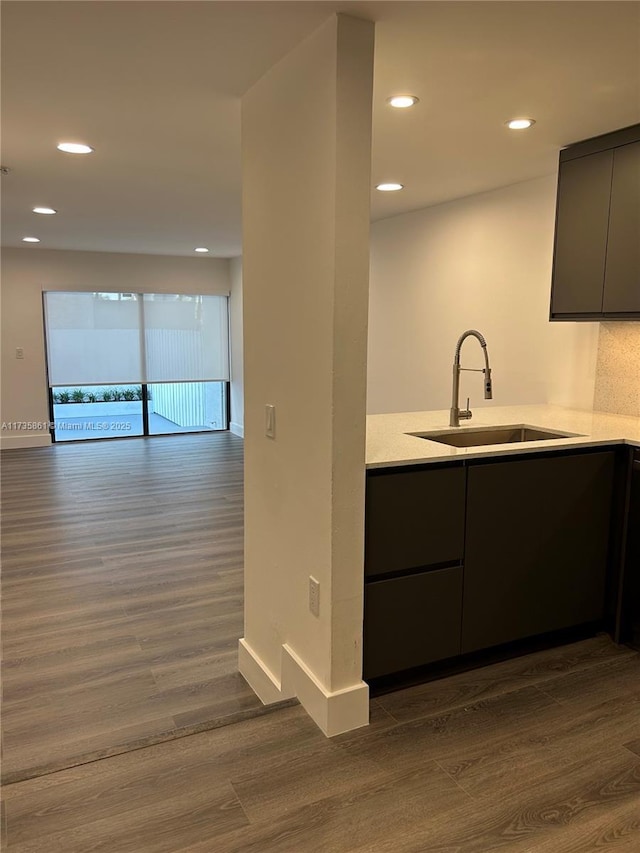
{"x":478,"y":547}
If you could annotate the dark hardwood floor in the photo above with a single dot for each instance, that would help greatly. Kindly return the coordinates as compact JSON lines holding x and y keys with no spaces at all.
{"x":122,"y":608}
{"x":122,"y":595}
{"x":534,"y":755}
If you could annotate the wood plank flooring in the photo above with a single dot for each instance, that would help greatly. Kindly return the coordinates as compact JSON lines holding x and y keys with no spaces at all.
{"x":122,"y":595}
{"x":122,"y":606}
{"x":535,"y":755}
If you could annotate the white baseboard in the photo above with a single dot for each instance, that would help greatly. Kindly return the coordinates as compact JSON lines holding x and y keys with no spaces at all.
{"x":334,"y":713}
{"x":11,"y":442}
{"x":237,"y":429}
{"x":258,"y":675}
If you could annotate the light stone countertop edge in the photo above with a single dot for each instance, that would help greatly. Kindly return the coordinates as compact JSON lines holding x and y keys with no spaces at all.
{"x":389,"y":445}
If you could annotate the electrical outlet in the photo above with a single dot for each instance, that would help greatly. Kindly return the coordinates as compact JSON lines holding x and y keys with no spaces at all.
{"x":19,"y":352}
{"x":314,"y":595}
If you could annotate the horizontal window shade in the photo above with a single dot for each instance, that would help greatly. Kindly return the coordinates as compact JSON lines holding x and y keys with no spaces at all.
{"x":186,"y":338}
{"x":119,"y":338}
{"x":92,"y":339}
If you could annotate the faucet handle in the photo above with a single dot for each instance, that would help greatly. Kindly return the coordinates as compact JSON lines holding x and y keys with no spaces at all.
{"x":466,"y":414}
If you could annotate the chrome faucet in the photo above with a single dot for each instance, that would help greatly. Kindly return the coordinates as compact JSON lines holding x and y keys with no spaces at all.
{"x":458,"y":414}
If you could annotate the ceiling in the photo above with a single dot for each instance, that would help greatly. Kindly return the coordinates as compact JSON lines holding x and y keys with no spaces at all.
{"x":155,"y":87}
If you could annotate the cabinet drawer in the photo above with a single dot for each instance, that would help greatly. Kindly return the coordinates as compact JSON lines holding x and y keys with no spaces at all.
{"x":413,"y":519}
{"x":412,"y":620}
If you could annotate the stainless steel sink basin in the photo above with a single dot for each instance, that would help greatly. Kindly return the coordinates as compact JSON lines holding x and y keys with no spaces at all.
{"x":492,"y":435}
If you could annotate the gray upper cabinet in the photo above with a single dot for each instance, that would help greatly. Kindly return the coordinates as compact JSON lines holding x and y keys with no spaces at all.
{"x":584,"y":189}
{"x":596,"y":265}
{"x":622,"y":276}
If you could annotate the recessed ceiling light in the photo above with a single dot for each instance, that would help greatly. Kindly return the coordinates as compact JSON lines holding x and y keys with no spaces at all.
{"x":201,"y":249}
{"x":46,"y":211}
{"x":389,"y":188}
{"x":74,"y":148}
{"x":401,"y":102}
{"x":520,"y":123}
{"x":30,"y":240}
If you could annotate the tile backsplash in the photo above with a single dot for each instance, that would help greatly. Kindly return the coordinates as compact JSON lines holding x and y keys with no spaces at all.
{"x":617,"y":386}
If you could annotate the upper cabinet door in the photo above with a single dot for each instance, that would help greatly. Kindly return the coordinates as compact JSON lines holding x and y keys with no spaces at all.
{"x":584,"y":189}
{"x":622,"y":276}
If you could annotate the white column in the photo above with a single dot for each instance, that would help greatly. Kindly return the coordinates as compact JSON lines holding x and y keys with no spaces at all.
{"x":237,"y":348}
{"x":306,"y":147}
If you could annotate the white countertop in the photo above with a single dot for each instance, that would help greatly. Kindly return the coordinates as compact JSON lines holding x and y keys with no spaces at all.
{"x":388,"y":443}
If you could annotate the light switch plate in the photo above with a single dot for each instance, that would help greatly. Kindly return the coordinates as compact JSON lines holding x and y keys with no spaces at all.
{"x":270,"y":421}
{"x":314,"y":595}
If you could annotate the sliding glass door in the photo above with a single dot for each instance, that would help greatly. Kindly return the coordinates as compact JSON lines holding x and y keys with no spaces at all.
{"x":186,"y":407}
{"x":110,"y":411}
{"x":136,"y":364}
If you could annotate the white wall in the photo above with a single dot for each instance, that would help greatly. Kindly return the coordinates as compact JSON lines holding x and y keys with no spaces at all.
{"x":28,"y":272}
{"x":237,"y":346}
{"x":306,"y":131}
{"x":480,"y":262}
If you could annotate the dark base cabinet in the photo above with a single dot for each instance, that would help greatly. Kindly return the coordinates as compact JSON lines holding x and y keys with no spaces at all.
{"x":474,"y":556}
{"x":631,"y":586}
{"x":411,"y":621}
{"x":536,"y":547}
{"x":414,"y":542}
{"x":414,"y":518}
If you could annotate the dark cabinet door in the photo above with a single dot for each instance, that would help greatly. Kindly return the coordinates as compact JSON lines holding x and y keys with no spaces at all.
{"x":411,"y":621}
{"x":631,"y":587}
{"x":622,"y":274}
{"x":537,"y":539}
{"x":584,"y":189}
{"x":413,"y":519}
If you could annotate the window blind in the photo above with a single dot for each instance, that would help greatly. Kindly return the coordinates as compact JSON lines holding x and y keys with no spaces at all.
{"x":186,"y":338}
{"x":93,"y":338}
{"x":131,"y":338}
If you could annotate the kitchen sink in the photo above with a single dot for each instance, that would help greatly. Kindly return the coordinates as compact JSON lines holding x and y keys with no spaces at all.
{"x":492,"y":435}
